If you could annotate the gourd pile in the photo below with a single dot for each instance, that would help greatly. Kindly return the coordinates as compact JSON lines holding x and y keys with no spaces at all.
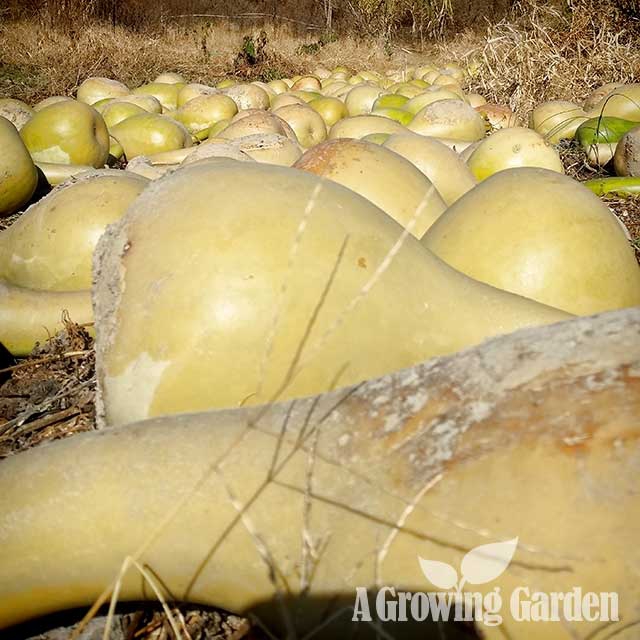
{"x":252,"y":243}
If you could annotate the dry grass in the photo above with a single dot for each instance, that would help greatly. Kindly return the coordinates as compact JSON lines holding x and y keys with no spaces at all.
{"x":36,"y":61}
{"x":540,"y":53}
{"x":385,"y":18}
{"x":537,"y":53}
{"x":150,"y":623}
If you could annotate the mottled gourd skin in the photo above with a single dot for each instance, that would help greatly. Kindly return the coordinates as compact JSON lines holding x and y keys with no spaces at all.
{"x":453,"y":119}
{"x":270,"y":149}
{"x":67,"y":132}
{"x":544,"y":236}
{"x":248,"y":96}
{"x":428,"y":97}
{"x":626,"y":159}
{"x":194,"y":90}
{"x":202,"y":112}
{"x":385,"y":178}
{"x":18,"y":175}
{"x":16,"y":111}
{"x":253,"y":122}
{"x":511,"y":148}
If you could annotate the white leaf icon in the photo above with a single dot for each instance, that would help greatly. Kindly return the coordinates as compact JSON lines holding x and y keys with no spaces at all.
{"x":488,"y":561}
{"x":441,"y":574}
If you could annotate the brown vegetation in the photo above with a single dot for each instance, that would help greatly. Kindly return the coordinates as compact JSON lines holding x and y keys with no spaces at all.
{"x":540,"y":53}
{"x":424,"y":18}
{"x":536,"y":51}
{"x":49,"y":395}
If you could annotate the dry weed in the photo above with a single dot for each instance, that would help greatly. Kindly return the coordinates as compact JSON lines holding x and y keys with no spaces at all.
{"x":150,"y":623}
{"x":540,"y":53}
{"x":49,"y":395}
{"x":37,"y":61}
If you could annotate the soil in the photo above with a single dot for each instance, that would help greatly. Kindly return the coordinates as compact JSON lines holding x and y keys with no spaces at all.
{"x":142,"y":622}
{"x":50,"y":394}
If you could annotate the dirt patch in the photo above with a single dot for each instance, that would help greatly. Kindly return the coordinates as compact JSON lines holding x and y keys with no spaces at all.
{"x":50,"y":394}
{"x":150,"y":623}
{"x":576,"y":163}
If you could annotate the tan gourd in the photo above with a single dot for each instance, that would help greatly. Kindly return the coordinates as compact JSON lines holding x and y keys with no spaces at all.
{"x":449,"y":119}
{"x":150,"y":133}
{"x":361,"y":126}
{"x":46,"y":255}
{"x":385,"y":178}
{"x":510,"y":148}
{"x":557,"y":120}
{"x":443,"y":166}
{"x":215,"y":319}
{"x":93,"y":90}
{"x":543,"y":235}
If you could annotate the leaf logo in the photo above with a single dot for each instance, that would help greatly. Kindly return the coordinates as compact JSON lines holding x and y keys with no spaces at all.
{"x":488,"y":561}
{"x":480,"y":565}
{"x":440,"y":574}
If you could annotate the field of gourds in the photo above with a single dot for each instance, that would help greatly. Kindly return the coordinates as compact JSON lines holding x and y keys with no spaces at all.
{"x":380,"y":291}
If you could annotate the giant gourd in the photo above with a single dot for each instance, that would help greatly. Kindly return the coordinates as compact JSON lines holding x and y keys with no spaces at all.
{"x":211,"y":308}
{"x":283,"y":511}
